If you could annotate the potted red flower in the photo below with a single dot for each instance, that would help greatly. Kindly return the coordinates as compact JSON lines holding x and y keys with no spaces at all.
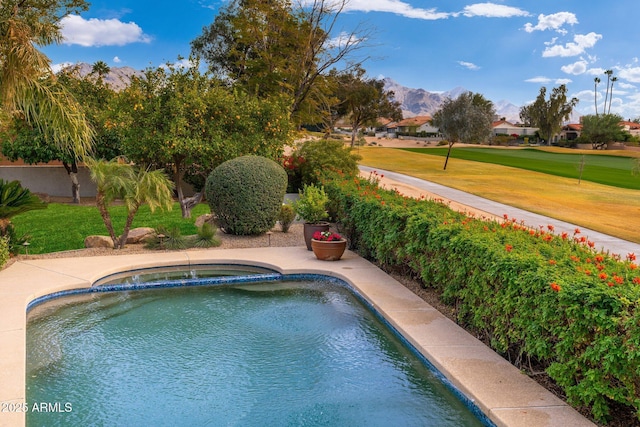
{"x":328,"y":246}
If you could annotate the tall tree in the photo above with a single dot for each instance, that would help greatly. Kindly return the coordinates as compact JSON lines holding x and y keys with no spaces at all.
{"x":273,"y":47}
{"x":362,"y":100}
{"x":613,"y":80}
{"x":548,"y":114}
{"x":467,"y":118}
{"x":596,"y":80}
{"x":608,"y":73}
{"x":28,"y":87}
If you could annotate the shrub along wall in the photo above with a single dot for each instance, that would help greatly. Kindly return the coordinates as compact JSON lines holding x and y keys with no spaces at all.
{"x":4,"y":251}
{"x":539,"y":296}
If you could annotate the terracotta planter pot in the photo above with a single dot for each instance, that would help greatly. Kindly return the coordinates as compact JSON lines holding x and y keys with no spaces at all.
{"x":310,"y":228}
{"x":328,"y":251}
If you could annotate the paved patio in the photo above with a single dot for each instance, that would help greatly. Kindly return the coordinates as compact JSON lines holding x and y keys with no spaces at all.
{"x":502,"y":392}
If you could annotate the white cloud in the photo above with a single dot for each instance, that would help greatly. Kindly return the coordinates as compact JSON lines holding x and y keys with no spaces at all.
{"x":577,"y":68}
{"x":623,"y":85}
{"x":343,"y":39}
{"x":546,"y":80}
{"x":596,"y":71}
{"x":393,"y":6}
{"x":492,"y":10}
{"x":469,"y":65}
{"x":631,"y":74}
{"x":539,"y":79}
{"x":554,"y":22}
{"x":117,"y":60}
{"x":100,"y":32}
{"x":58,"y":67}
{"x":577,"y":47}
{"x":584,"y":94}
{"x":180,"y":64}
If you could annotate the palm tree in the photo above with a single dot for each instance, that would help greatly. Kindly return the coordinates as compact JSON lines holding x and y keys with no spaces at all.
{"x":100,"y":68}
{"x":609,"y":73}
{"x":120,"y":180}
{"x":27,"y":85}
{"x":613,"y":80}
{"x":595,"y":92}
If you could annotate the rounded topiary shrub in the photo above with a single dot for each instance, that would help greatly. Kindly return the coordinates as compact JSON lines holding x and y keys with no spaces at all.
{"x":246,"y":194}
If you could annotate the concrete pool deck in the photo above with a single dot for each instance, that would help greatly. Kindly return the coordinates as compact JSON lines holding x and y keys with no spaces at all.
{"x":502,"y":392}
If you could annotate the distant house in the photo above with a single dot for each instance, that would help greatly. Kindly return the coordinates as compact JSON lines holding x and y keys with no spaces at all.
{"x":503,"y":127}
{"x":382,"y":126}
{"x":416,"y":125}
{"x":570,"y":131}
{"x":632,"y":127}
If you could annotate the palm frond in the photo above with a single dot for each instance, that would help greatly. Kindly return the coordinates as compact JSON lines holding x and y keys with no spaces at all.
{"x":28,"y":87}
{"x":58,"y":115}
{"x":14,"y":199}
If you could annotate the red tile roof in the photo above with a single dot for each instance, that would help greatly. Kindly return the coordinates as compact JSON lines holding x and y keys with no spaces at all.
{"x":415,"y":121}
{"x":630,"y":125}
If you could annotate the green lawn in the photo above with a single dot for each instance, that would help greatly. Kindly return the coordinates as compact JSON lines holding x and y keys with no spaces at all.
{"x":599,"y":168}
{"x":63,"y":226}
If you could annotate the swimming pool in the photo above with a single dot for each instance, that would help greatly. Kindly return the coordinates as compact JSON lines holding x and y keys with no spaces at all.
{"x":500,"y":390}
{"x":285,"y":352}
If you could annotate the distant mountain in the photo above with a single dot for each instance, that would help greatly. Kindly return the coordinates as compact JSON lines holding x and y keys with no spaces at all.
{"x":419,"y":102}
{"x":118,"y":77}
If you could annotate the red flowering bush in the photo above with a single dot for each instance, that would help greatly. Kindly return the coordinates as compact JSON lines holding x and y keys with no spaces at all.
{"x":539,"y":295}
{"x":293,"y":166}
{"x":326,"y":236}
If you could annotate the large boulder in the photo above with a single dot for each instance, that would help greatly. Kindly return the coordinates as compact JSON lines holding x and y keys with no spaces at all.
{"x":98,"y":242}
{"x":140,"y":234}
{"x":208,"y":218}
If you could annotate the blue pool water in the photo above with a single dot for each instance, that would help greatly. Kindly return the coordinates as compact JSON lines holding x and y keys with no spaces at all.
{"x":297,"y":353}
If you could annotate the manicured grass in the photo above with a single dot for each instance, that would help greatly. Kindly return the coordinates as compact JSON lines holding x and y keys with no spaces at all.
{"x":62,"y":227}
{"x":600,"y":168}
{"x":607,"y":209}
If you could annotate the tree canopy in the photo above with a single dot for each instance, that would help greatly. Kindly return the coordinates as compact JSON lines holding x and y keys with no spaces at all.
{"x":362,"y":101}
{"x":548,"y":114}
{"x":467,"y":118}
{"x":600,"y":130}
{"x":274,"y":47}
{"x":184,"y":121}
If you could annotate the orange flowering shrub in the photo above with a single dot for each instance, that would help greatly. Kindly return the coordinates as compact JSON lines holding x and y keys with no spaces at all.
{"x":551,"y":297}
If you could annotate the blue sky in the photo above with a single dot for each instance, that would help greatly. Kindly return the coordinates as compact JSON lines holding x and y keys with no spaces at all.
{"x":505,"y":50}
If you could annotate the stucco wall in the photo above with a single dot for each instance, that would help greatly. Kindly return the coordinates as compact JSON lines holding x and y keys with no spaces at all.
{"x":52,"y":180}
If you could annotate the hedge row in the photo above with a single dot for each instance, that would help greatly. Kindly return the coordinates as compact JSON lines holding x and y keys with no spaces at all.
{"x":541,"y":296}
